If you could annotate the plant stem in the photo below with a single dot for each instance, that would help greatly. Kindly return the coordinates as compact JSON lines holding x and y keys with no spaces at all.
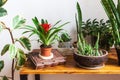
{"x":12,"y":68}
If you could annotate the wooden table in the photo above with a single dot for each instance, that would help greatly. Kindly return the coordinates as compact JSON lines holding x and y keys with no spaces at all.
{"x":111,"y":67}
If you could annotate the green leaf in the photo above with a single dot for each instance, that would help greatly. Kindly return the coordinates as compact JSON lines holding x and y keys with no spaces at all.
{"x":5,"y":78}
{"x":79,"y":17}
{"x":2,"y":2}
{"x":3,"y":12}
{"x":25,"y":42}
{"x":18,"y":22}
{"x":13,"y":50}
{"x":21,"y":58}
{"x":5,"y":49}
{"x":1,"y":65}
{"x":1,"y":28}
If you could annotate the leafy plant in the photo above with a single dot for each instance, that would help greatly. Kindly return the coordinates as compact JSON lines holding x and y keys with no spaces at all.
{"x":104,"y":28}
{"x":113,"y":13}
{"x":17,"y":55}
{"x":3,"y":11}
{"x":64,"y":37}
{"x":83,"y":47}
{"x":45,"y":32}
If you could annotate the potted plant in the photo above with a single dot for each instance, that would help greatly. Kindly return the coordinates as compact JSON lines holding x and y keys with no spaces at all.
{"x":64,"y":40}
{"x":113,"y":13}
{"x":93,"y":27}
{"x":47,"y":35}
{"x":85,"y":55}
{"x":17,"y":54}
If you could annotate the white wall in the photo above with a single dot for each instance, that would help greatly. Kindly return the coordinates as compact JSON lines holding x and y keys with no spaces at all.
{"x":53,"y":10}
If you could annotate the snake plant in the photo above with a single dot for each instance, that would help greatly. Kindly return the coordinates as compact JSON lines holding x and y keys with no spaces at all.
{"x":83,"y":48}
{"x":113,"y":13}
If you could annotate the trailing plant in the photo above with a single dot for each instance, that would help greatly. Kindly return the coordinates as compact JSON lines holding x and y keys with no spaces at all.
{"x":104,"y":28}
{"x":83,"y":47}
{"x":113,"y":13}
{"x":16,"y":54}
{"x":45,"y":31}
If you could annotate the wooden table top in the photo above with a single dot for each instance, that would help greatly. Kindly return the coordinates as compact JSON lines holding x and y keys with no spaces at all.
{"x":70,"y":67}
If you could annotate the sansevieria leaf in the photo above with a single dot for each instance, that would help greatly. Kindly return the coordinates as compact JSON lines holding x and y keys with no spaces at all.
{"x":3,"y":12}
{"x":18,"y":22}
{"x":4,"y":78}
{"x":13,"y":50}
{"x":5,"y":49}
{"x":25,"y":42}
{"x":1,"y":65}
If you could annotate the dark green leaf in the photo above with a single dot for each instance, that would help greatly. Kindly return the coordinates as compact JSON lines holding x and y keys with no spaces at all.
{"x":5,"y":78}
{"x":21,"y":57}
{"x":5,"y":49}
{"x":2,"y":2}
{"x":25,"y":42}
{"x":3,"y":12}
{"x":1,"y":65}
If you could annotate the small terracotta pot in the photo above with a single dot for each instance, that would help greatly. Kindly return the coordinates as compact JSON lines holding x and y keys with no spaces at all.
{"x":46,"y":51}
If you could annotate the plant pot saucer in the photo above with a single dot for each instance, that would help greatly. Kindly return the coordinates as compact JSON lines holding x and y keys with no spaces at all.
{"x":87,"y":67}
{"x":46,"y":57}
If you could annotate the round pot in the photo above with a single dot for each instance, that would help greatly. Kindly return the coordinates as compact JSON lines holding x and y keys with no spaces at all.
{"x":46,"y":51}
{"x":65,"y":45}
{"x":90,"y":62}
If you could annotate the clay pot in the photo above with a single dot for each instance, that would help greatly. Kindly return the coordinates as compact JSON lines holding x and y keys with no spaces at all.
{"x":46,"y":51}
{"x":90,"y":62}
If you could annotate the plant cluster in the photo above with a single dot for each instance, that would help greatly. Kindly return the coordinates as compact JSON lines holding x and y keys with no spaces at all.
{"x":104,"y":28}
{"x":64,"y":37}
{"x":113,"y":13}
{"x":46,"y":32}
{"x":83,"y":47}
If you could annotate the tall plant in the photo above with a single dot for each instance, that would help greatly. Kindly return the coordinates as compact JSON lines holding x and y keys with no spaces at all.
{"x":82,"y":46}
{"x":17,"y":54}
{"x":113,"y":13}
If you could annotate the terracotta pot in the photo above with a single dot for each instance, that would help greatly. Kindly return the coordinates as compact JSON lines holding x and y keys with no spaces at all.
{"x":46,"y":51}
{"x":90,"y":62}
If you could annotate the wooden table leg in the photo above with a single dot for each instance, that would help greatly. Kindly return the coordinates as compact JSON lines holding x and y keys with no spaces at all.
{"x":37,"y":76}
{"x":23,"y":77}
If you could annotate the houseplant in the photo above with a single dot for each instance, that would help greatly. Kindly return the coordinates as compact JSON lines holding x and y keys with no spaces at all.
{"x":87,"y":56}
{"x":3,"y":12}
{"x":16,"y":54}
{"x":93,"y":27}
{"x":46,"y":34}
{"x":64,"y":40}
{"x":113,"y":13}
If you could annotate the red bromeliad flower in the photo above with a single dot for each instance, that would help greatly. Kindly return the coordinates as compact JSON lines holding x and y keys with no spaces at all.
{"x":46,"y":27}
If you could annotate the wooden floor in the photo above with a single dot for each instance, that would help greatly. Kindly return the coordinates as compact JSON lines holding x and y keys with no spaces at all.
{"x":111,"y":67}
